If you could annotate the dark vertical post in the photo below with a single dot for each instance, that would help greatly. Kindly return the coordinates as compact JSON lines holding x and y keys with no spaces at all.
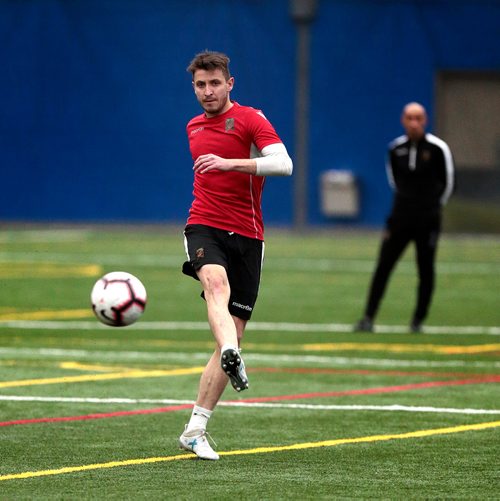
{"x":303,"y":13}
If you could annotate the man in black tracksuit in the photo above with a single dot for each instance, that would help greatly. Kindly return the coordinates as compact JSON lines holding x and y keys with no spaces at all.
{"x":421,"y":172}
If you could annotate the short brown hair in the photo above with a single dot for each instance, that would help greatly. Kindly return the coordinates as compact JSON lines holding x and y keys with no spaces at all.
{"x":209,"y":61}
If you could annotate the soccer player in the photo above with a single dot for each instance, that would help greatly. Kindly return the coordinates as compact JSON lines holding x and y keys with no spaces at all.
{"x":421,"y":172}
{"x":233,"y":148}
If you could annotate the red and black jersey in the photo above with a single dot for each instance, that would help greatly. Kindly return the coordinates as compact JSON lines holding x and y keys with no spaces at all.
{"x":231,"y":200}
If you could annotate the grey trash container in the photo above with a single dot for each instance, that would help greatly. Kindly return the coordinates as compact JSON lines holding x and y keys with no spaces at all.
{"x":339,"y":194}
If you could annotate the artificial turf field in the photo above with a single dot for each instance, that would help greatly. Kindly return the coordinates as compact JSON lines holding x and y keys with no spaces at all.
{"x":94,"y":412}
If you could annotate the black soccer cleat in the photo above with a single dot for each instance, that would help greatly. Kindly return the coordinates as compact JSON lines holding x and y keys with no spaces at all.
{"x":232,"y":364}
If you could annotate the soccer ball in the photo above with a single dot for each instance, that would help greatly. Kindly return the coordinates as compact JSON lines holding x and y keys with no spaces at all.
{"x":118,"y":299}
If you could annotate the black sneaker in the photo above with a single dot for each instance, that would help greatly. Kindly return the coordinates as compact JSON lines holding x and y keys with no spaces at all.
{"x":364,"y":325}
{"x":416,"y":327}
{"x":232,"y":364}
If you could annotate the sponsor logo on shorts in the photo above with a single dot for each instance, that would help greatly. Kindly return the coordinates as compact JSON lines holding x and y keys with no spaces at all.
{"x":241,"y":306}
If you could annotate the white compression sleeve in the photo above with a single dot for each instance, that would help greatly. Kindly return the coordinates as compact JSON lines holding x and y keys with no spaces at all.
{"x":274,"y":161}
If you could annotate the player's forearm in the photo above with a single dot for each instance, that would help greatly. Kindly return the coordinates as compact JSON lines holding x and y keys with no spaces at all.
{"x":273,"y":160}
{"x":246,"y":165}
{"x":208,"y":162}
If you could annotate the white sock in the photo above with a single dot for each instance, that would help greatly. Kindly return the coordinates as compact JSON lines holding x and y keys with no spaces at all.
{"x":199,"y":419}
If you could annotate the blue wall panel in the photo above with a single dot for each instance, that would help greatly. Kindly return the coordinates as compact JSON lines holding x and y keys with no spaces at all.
{"x":96,"y":97}
{"x":370,"y":59}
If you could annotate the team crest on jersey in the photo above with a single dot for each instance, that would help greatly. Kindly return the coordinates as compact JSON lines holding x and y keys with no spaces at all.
{"x":426,"y":155}
{"x":229,"y":124}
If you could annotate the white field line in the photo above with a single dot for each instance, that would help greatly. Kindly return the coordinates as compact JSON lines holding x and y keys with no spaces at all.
{"x":46,"y":236}
{"x":293,"y":264}
{"x":255,"y":326}
{"x":321,"y":407}
{"x":257,"y":358}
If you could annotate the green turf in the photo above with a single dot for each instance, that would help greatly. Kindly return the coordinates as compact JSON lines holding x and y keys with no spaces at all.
{"x":314,"y":280}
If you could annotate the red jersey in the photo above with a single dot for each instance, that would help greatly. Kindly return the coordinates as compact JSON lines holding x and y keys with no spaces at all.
{"x":230,"y":200}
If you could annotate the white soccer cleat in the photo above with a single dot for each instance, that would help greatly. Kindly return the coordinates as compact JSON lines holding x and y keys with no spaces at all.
{"x":232,"y":364}
{"x":196,"y":441}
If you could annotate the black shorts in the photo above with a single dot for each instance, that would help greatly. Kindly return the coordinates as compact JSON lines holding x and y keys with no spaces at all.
{"x":241,"y":257}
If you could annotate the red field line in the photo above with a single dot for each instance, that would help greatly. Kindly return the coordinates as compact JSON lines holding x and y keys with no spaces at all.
{"x":97,"y":416}
{"x":372,"y":391}
{"x":369,"y":372}
{"x":172,"y":408}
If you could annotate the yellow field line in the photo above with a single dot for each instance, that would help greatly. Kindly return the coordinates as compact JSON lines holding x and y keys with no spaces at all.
{"x":102,"y":377}
{"x":48,"y":315}
{"x":480,"y":348}
{"x":257,"y":450}
{"x":402,"y":348}
{"x":93,"y":367}
{"x":384,"y":347}
{"x":48,"y":270}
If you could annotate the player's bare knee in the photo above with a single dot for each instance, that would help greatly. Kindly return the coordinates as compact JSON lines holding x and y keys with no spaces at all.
{"x":216,"y":288}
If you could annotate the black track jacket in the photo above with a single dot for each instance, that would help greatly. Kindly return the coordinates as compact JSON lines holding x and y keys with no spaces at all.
{"x":421,"y":175}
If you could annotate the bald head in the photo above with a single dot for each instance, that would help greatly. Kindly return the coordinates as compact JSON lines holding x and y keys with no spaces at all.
{"x":414,"y":120}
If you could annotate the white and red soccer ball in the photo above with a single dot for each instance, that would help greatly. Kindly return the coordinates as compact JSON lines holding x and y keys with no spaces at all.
{"x":118,"y":299}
